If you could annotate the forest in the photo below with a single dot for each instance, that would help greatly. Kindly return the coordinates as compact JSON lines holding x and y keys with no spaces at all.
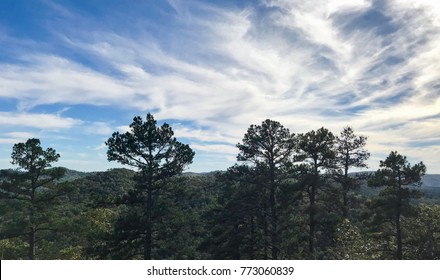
{"x":290,"y":196}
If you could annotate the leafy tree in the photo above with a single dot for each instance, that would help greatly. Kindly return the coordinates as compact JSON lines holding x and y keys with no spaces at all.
{"x":351,"y":153}
{"x":397,"y":176}
{"x":315,"y":149}
{"x":269,"y":146}
{"x":33,"y":191}
{"x":158,"y":156}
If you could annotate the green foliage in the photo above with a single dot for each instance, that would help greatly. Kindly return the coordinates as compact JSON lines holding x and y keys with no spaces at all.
{"x":423,"y":233}
{"x":393,"y":203}
{"x":238,"y":221}
{"x":33,"y":193}
{"x":350,"y":153}
{"x":315,"y":150}
{"x":151,"y":149}
{"x":292,"y":199}
{"x":31,"y":157}
{"x":179,"y":227}
{"x":351,"y":243}
{"x":158,"y":156}
{"x":13,"y":248}
{"x":269,"y":147}
{"x":270,"y":144}
{"x":182,"y":205}
{"x":351,"y":150}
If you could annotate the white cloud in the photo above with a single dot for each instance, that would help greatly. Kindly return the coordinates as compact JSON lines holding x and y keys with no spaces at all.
{"x":99,"y":128}
{"x":16,"y":137}
{"x":41,"y":121}
{"x":20,"y":135}
{"x":306,"y":64}
{"x":51,"y":79}
{"x":9,"y":140}
{"x":216,"y":148}
{"x":203,"y":135}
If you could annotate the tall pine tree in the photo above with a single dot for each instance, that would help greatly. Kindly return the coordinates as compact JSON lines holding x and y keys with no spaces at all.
{"x":34,"y":186}
{"x":351,"y":153}
{"x":269,"y":146}
{"x":158,"y":156}
{"x":397,"y":177}
{"x":315,"y":149}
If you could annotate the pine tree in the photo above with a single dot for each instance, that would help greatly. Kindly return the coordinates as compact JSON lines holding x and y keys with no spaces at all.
{"x":34,"y":189}
{"x":269,"y":146}
{"x":158,"y":156}
{"x":351,"y":153}
{"x":397,"y":177}
{"x":315,"y":149}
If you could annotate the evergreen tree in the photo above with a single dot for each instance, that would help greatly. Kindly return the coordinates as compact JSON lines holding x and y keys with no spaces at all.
{"x":158,"y":156}
{"x":32,"y":191}
{"x":315,"y":149}
{"x":351,"y":153}
{"x":269,"y":146}
{"x":397,"y":177}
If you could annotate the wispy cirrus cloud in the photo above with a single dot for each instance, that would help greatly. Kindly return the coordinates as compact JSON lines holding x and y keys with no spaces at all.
{"x":49,"y":79}
{"x":15,"y":137}
{"x":42,"y":121}
{"x":214,"y":69}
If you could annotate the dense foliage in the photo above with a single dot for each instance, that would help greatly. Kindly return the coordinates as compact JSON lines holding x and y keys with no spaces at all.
{"x":291,"y":196}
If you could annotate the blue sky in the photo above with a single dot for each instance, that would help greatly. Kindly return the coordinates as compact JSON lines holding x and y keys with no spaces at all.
{"x":73,"y":72}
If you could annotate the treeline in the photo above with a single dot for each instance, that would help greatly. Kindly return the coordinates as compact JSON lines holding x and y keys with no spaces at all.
{"x":292,"y":196}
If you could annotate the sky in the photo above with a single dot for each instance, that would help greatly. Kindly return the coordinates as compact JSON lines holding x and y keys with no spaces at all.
{"x":74,"y":72}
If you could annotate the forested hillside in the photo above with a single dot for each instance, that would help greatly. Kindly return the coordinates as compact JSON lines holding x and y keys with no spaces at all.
{"x":200,"y":212}
{"x":290,"y":196}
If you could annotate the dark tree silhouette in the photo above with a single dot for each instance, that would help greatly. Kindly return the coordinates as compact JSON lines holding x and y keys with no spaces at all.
{"x":158,"y":156}
{"x":350,"y":153}
{"x":34,"y":186}
{"x":397,"y":175}
{"x":269,"y":145}
{"x":316,"y":150}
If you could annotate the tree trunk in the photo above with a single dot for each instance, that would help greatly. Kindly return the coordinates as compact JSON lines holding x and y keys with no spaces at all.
{"x":345,"y":207}
{"x":149,"y":230}
{"x":312,"y":222}
{"x":265,"y":228}
{"x":312,"y":210}
{"x":273,"y":212}
{"x":274,"y":224}
{"x":399,"y":238}
{"x":398,"y":214}
{"x":31,"y":241}
{"x":345,"y":191}
{"x":252,"y":251}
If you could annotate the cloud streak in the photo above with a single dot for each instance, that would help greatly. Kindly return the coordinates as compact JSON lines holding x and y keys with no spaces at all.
{"x":42,"y":121}
{"x":213,"y":70}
